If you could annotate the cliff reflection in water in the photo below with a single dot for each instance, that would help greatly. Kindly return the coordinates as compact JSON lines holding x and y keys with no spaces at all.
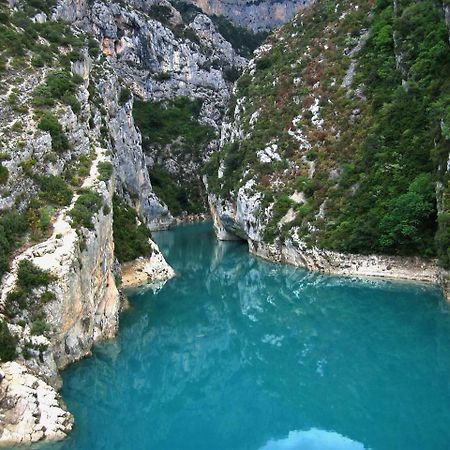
{"x":234,"y":353}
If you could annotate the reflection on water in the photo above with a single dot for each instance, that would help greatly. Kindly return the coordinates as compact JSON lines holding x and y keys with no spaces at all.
{"x":235,"y":353}
{"x":313,"y":439}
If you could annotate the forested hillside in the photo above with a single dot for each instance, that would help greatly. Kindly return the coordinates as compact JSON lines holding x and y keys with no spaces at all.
{"x":340,"y":129}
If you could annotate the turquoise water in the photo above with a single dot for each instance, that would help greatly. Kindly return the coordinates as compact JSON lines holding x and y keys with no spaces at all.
{"x":236,"y":353}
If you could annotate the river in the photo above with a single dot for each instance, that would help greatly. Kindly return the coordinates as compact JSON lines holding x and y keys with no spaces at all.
{"x":238,"y":353}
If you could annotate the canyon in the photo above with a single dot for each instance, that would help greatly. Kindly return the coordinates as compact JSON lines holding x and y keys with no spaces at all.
{"x":120,"y":118}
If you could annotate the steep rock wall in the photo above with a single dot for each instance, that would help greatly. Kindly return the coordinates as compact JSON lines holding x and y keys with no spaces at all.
{"x":83,"y":301}
{"x":255,"y":15}
{"x":159,"y":59}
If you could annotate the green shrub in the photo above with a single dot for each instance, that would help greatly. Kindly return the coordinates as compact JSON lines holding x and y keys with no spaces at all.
{"x":59,"y":85}
{"x":62,"y":82}
{"x":124,"y":96}
{"x":37,"y":61}
{"x":231,"y":74}
{"x":47,"y":297}
{"x":94,"y":49}
{"x":72,"y":101}
{"x":178,"y":195}
{"x":13,"y":226}
{"x":50,"y":123}
{"x":38,"y":327}
{"x":130,"y":239}
{"x":162,"y":76}
{"x":42,"y":96}
{"x":87,"y":205}
{"x":29,"y":276}
{"x":7,"y":343}
{"x":55,"y":190}
{"x":161,"y":13}
{"x":163,"y":123}
{"x":4,"y":174}
{"x":105,"y":170}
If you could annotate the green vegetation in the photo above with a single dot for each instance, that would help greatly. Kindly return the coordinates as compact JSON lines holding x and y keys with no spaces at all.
{"x":38,"y":327}
{"x":383,"y":143}
{"x":161,"y":13}
{"x":59,"y":85}
{"x":178,"y":196}
{"x":124,"y":96}
{"x":105,"y":170}
{"x":4,"y":174}
{"x":86,"y":206}
{"x":22,"y":38}
{"x":162,"y":123}
{"x":13,"y":226}
{"x":55,"y":190}
{"x":131,"y":238}
{"x":394,"y":208}
{"x":7,"y":343}
{"x":23,"y":301}
{"x":50,"y":123}
{"x":173,"y":128}
{"x":30,"y":276}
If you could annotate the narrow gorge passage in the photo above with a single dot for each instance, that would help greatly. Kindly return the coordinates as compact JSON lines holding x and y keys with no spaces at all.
{"x":237,"y":353}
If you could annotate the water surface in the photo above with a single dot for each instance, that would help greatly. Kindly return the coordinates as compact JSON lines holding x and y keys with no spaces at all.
{"x":237,"y":353}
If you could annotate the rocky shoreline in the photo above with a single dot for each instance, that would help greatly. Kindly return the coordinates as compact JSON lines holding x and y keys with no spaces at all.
{"x":192,"y":218}
{"x":143,"y":271}
{"x":233,"y":222}
{"x":370,"y":266}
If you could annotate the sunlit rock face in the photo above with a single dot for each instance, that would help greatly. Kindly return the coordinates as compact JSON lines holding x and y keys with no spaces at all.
{"x":256,"y":15}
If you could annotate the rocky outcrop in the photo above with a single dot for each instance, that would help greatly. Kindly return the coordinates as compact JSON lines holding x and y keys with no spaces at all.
{"x":144,"y":270}
{"x":83,"y":302}
{"x":300,"y":255}
{"x":255,"y":15}
{"x":30,"y":409}
{"x":132,"y":177}
{"x":287,"y":146}
{"x":157,"y":58}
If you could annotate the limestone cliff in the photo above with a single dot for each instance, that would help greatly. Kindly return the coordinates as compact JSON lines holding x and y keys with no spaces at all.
{"x":68,"y":144}
{"x":256,"y":15}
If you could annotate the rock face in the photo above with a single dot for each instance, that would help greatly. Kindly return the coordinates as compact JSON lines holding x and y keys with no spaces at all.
{"x":83,"y":303}
{"x":241,"y":220}
{"x":30,"y":409}
{"x":159,"y":57}
{"x":146,"y":50}
{"x":255,"y":15}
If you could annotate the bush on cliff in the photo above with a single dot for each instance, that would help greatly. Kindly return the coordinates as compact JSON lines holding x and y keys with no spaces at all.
{"x":50,"y":123}
{"x":7,"y":343}
{"x":13,"y":225}
{"x":86,"y":206}
{"x":131,"y":238}
{"x":55,"y":190}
